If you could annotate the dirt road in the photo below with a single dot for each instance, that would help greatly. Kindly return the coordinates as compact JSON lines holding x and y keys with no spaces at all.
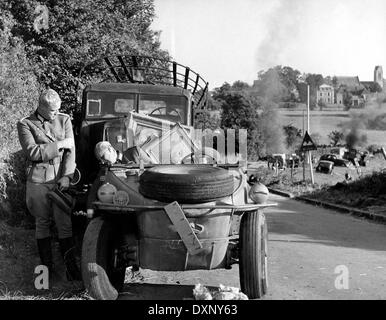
{"x":311,"y":251}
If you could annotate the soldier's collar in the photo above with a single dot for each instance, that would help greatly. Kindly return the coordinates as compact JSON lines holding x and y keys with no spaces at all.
{"x":40,"y":117}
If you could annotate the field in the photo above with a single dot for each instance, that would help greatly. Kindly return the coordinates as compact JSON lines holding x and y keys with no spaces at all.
{"x":323,"y":122}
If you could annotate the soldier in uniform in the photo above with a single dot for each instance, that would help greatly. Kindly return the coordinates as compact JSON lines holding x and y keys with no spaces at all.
{"x":47,"y":139}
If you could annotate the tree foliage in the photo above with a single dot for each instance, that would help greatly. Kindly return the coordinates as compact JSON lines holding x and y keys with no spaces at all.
{"x":79,"y":32}
{"x":278,"y":84}
{"x":336,"y":137}
{"x":207,"y":119}
{"x":237,"y":112}
{"x":18,"y":96}
{"x":293,"y":136}
{"x":374,"y":87}
{"x":264,"y":132}
{"x":243,"y":88}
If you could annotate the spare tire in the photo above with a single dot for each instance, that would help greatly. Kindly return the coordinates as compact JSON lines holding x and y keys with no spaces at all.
{"x":186,"y":183}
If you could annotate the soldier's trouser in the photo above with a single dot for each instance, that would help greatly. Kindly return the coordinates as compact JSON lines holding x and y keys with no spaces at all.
{"x":42,"y":209}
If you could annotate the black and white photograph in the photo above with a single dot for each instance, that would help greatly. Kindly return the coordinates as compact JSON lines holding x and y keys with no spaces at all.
{"x":176,"y":151}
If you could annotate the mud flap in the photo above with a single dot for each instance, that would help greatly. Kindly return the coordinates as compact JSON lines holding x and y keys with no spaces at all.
{"x":183,"y":228}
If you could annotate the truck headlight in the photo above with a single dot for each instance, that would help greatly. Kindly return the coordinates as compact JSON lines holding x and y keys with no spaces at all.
{"x":106,"y":192}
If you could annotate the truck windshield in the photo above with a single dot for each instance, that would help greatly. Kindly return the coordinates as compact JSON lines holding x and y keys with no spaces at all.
{"x":173,"y":108}
{"x":113,"y":104}
{"x":109,"y":104}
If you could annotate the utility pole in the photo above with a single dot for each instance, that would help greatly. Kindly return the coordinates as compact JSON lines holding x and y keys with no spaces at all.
{"x":308,"y":130}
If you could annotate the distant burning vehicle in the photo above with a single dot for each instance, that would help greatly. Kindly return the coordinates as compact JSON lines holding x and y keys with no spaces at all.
{"x":357,"y":157}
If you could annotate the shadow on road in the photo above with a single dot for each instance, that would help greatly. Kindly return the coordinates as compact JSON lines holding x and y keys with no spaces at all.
{"x":308,"y":223}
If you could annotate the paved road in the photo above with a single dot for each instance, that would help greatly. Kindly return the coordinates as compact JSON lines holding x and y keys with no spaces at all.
{"x":307,"y":244}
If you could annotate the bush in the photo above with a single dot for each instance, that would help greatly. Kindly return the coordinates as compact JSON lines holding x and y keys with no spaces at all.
{"x":18,"y":95}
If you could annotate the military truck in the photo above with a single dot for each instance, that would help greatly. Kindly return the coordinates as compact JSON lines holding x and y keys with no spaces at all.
{"x":164,"y":202}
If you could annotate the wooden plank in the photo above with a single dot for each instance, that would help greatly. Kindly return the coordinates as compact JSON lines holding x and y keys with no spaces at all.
{"x":188,"y":237}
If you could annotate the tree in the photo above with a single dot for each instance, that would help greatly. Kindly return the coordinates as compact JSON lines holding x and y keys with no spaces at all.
{"x":240,"y":86}
{"x":79,"y":32}
{"x":207,"y":119}
{"x":375,"y":87}
{"x":239,"y":113}
{"x":243,"y":88}
{"x":278,"y":84}
{"x":335,"y":82}
{"x":293,"y":136}
{"x":314,"y":81}
{"x":220,"y":93}
{"x":336,"y":137}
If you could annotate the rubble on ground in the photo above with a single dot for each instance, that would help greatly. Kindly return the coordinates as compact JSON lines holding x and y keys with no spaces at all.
{"x":201,"y":292}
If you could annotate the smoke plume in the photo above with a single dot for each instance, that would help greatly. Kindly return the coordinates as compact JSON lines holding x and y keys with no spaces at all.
{"x":372,"y":117}
{"x":283,"y":28}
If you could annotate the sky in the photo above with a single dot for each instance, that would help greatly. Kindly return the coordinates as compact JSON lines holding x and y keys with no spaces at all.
{"x":229,"y":40}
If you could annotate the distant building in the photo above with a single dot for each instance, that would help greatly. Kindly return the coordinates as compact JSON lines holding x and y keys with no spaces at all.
{"x":339,"y":96}
{"x":358,"y":91}
{"x":351,"y":83}
{"x":358,"y":95}
{"x":325,"y":94}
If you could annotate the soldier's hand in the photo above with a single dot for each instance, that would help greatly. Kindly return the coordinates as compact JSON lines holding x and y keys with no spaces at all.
{"x":64,"y":183}
{"x":67,"y":143}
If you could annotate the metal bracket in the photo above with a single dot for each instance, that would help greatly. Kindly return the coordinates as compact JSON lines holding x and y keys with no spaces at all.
{"x":184,"y":229}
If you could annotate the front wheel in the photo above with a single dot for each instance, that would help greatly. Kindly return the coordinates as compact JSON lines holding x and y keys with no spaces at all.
{"x":102,"y":280}
{"x":253,"y":266}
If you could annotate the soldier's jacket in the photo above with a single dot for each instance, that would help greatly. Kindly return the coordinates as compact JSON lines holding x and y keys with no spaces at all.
{"x":38,"y":138}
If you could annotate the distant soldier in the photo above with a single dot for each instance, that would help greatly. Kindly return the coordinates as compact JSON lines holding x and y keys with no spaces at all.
{"x":47,"y":139}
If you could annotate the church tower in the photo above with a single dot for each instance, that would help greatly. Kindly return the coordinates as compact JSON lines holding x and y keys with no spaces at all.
{"x":378,"y":76}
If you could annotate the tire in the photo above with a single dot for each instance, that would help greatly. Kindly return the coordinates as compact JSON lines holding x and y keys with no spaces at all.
{"x":191,"y":183}
{"x":99,"y":276}
{"x":253,"y":266}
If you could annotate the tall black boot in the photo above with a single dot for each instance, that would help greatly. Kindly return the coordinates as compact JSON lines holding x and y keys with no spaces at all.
{"x":68,"y":251}
{"x":45,"y":252}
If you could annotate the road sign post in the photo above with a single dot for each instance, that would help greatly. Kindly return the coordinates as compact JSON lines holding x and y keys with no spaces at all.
{"x":307,"y":146}
{"x":311,"y":168}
